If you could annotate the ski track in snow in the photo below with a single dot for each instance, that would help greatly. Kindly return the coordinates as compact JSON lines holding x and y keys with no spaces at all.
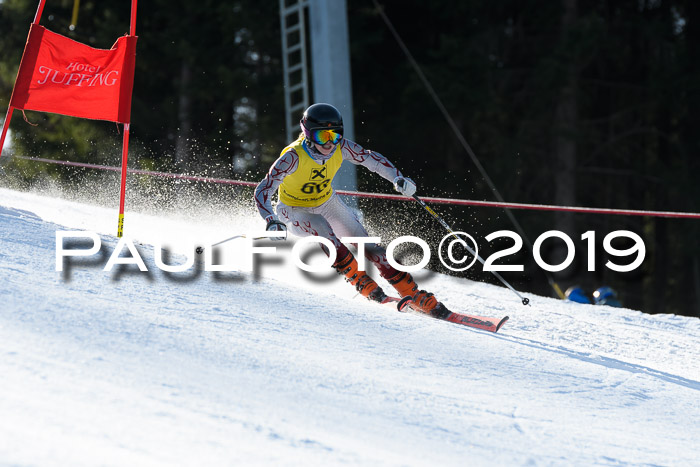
{"x":132,"y":368}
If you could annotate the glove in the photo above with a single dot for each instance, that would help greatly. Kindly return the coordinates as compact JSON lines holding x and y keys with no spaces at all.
{"x":275,"y":225}
{"x":405,"y":186}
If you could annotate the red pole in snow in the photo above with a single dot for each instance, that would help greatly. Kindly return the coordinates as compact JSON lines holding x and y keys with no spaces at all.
{"x":125,"y":142}
{"x":122,"y":193}
{"x":5,"y":126}
{"x":8,"y":116}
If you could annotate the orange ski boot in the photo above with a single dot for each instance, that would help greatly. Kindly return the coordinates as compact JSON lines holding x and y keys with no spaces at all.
{"x":368,"y":288}
{"x":426,"y":302}
{"x":403,"y":283}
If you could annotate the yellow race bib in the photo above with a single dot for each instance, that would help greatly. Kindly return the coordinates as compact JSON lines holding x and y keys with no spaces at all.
{"x":310,"y":184}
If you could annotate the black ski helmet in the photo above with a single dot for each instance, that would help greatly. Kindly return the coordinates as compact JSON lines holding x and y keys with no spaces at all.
{"x":321,"y":116}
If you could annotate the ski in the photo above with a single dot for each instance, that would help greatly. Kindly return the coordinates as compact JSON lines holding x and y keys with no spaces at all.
{"x":479,"y":322}
{"x":391,"y":301}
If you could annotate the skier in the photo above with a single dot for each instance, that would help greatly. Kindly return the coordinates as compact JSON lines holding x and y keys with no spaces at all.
{"x":577,"y":294}
{"x":308,"y":206}
{"x":606,"y":296}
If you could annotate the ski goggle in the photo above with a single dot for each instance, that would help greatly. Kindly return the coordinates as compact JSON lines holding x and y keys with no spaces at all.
{"x":324,"y":136}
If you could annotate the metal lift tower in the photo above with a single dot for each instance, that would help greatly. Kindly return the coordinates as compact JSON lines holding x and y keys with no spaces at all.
{"x":315,"y":42}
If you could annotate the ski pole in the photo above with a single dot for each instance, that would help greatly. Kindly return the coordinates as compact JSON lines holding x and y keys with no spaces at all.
{"x":525,"y":300}
{"x":229,"y":239}
{"x":200,"y":249}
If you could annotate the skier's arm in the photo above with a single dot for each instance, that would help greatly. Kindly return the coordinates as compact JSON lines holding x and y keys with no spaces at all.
{"x":353,"y":152}
{"x":285,"y":165}
{"x":378,"y":164}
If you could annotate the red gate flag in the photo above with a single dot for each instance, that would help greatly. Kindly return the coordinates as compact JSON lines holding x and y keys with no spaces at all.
{"x":60,"y":75}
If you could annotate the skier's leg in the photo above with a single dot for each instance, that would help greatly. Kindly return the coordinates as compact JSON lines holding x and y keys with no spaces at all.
{"x":345,"y":224}
{"x":303,"y":222}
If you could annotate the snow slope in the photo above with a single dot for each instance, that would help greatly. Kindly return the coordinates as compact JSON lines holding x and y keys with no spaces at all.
{"x":275,"y":368}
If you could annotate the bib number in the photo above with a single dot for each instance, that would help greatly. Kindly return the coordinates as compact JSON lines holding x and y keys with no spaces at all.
{"x":313,"y":187}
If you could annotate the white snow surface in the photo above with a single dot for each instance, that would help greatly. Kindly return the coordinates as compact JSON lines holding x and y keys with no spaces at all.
{"x":273,"y":367}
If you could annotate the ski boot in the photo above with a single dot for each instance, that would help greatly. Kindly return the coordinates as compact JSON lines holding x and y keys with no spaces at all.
{"x":403,"y":283}
{"x":425,"y":302}
{"x":368,"y":288}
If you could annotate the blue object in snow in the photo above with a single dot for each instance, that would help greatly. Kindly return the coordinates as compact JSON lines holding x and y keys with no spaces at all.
{"x":576,"y":294}
{"x":606,"y":296}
